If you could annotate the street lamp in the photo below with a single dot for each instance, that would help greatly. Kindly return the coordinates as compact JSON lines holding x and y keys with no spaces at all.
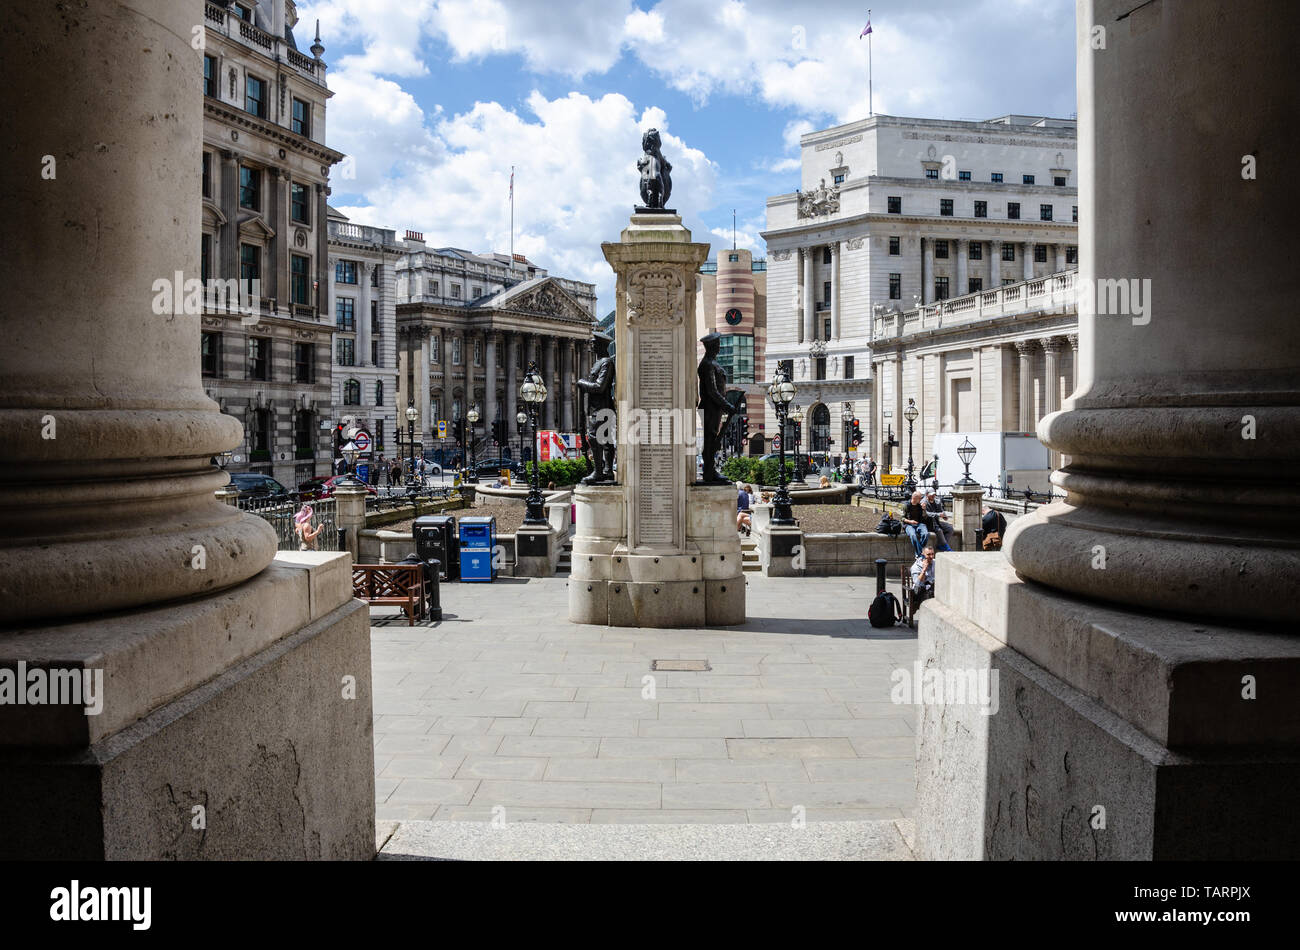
{"x":966,"y":452}
{"x":471,"y":417}
{"x":411,"y":414}
{"x":350,"y":453}
{"x":910,"y":414}
{"x":796,"y":416}
{"x":521,"y":420}
{"x":781,"y":393}
{"x":846,"y":416}
{"x":533,"y":393}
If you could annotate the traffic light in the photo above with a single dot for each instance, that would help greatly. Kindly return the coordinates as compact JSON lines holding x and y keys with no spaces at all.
{"x":499,"y":431}
{"x":744,"y":428}
{"x":857,"y":433}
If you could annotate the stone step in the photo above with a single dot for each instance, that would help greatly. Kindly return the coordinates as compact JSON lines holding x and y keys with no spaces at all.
{"x":881,"y":840}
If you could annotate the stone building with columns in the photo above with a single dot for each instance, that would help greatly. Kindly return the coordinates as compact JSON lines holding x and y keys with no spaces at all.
{"x":731,"y":298}
{"x":264,"y":188}
{"x":470,"y":324}
{"x":363,"y":301}
{"x":895,"y":213}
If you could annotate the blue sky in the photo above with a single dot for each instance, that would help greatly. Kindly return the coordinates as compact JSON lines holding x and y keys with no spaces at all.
{"x":435,"y":99}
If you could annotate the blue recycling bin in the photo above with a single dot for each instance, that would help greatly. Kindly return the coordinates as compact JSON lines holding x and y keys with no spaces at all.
{"x":478,"y":540}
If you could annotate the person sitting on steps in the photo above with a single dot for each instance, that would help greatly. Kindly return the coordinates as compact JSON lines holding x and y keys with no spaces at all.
{"x":914,"y":521}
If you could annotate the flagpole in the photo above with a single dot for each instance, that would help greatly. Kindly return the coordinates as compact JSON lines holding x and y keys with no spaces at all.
{"x":512,"y":217}
{"x":870,"y":103}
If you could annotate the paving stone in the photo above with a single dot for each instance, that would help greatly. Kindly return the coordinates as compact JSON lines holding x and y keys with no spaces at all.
{"x":408,"y":743}
{"x":774,"y":728}
{"x":610,"y":770}
{"x":569,"y":794}
{"x":472,"y":745}
{"x":433,"y":791}
{"x":547,"y":746}
{"x":665,"y":748}
{"x":713,"y":711}
{"x":512,"y":726}
{"x":555,"y":710}
{"x":521,"y":768}
{"x":463,"y":725}
{"x":508,"y":814}
{"x":633,"y":709}
{"x":419,"y":766}
{"x":714,"y":795}
{"x":585,"y":727}
{"x":867,"y":794}
{"x":688,"y":728}
{"x":669,"y":816}
{"x":790,"y":748}
{"x":743,"y":770}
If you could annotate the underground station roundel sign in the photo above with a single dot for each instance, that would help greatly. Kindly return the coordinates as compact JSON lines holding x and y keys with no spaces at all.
{"x":734,"y":317}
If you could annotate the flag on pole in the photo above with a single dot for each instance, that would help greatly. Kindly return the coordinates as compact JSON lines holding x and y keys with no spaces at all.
{"x":512,"y":182}
{"x":866,"y":30}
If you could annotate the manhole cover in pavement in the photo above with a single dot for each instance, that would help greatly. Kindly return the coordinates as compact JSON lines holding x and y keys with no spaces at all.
{"x":681,"y":666}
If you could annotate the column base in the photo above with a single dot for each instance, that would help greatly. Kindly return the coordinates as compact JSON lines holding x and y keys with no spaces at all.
{"x":267,"y":757}
{"x":1115,"y":736}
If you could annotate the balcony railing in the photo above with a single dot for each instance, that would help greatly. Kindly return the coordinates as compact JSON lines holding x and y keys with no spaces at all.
{"x":219,"y":21}
{"x":1054,"y":292}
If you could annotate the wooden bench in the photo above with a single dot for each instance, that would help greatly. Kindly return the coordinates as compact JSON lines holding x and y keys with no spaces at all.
{"x":399,"y":585}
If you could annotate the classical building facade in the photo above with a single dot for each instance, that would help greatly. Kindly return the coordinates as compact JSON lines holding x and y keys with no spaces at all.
{"x":731,"y":298}
{"x":470,"y":324}
{"x":895,"y":213}
{"x":363,"y":300}
{"x":265,"y":168}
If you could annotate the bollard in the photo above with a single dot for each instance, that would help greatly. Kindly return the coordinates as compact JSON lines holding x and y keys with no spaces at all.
{"x":432,"y":572}
{"x":880,"y":575}
{"x":343,"y":539}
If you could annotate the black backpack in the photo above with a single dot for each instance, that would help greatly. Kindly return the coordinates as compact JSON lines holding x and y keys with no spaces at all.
{"x":889,"y":525}
{"x":885,"y":610}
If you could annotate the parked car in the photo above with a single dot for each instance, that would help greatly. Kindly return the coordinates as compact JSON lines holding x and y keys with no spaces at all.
{"x":255,"y":485}
{"x":328,"y":486}
{"x":493,"y":466}
{"x":312,"y":488}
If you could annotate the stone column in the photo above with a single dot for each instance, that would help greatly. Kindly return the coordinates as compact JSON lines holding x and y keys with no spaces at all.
{"x":363,"y":317}
{"x":489,"y":381}
{"x":277,"y":212}
{"x":1060,"y":258}
{"x":963,"y":285}
{"x":995,"y":265}
{"x":421,"y":360}
{"x":512,"y":386}
{"x":1029,"y":260}
{"x":809,"y":297}
{"x":467,"y":359}
{"x":927,"y":270}
{"x":228,"y":238}
{"x":117,"y":558}
{"x":548,"y":374}
{"x":967,"y":504}
{"x":835,"y":290}
{"x":1025,"y":349}
{"x":1051,"y":379}
{"x":566,"y":385}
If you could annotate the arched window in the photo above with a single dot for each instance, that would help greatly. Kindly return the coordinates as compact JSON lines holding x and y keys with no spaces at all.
{"x":379,"y":392}
{"x":352,"y":393}
{"x":821,"y":428}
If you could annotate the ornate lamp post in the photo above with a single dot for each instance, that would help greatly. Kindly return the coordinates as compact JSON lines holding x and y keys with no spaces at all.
{"x":781,"y":393}
{"x":411,"y":414}
{"x":846,"y":416}
{"x":350,"y":452}
{"x":521,"y":420}
{"x":796,"y":416}
{"x":966,"y":452}
{"x":533,"y":393}
{"x":910,"y":414}
{"x":471,"y":417}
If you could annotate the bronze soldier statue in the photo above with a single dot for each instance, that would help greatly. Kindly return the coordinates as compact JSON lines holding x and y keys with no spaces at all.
{"x":656,"y":180}
{"x":602,"y":421}
{"x":713,"y":407}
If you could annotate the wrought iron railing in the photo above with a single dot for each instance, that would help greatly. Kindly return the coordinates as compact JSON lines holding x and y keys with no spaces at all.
{"x":279,"y":511}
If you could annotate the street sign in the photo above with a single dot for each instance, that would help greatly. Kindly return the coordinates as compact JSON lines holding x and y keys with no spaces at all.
{"x":776,"y":443}
{"x":442,"y":429}
{"x":362,"y":440}
{"x":893,"y":480}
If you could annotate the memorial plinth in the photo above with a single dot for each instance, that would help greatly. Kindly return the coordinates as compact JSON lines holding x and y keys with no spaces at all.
{"x":656,"y":550}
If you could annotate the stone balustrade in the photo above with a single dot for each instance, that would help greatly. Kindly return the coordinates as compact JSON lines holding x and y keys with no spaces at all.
{"x":1053,"y":292}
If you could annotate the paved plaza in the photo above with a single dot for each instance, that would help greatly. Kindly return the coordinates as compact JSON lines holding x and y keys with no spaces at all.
{"x":506,"y":710}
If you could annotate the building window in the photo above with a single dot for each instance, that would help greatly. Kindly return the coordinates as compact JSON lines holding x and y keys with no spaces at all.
{"x":374,"y":318}
{"x":976,"y":252}
{"x":1074,"y":213}
{"x":207,"y":174}
{"x":304,"y":363}
{"x":300,"y":279}
{"x":736,"y":356}
{"x":848,"y":367}
{"x":1007,"y":280}
{"x":300,"y":123}
{"x":259,"y":433}
{"x":981,"y":209}
{"x":945,"y":207}
{"x":435,"y":349}
{"x":974,"y":285}
{"x":932,"y":173}
{"x":250,"y":188}
{"x":1008,"y":251}
{"x":379,"y":392}
{"x":374,"y":354}
{"x":255,"y":96}
{"x":996,"y":177}
{"x":1071,"y":255}
{"x":209,"y":75}
{"x":475,"y":293}
{"x":819,"y":368}
{"x":299,"y":203}
{"x":1059,"y":181}
{"x":895,"y":246}
{"x":344,"y":314}
{"x":351,"y":388}
{"x":826,"y":255}
{"x":1028,"y":179}
{"x":1045,"y":212}
{"x":733,"y":258}
{"x":826,"y":328}
{"x":345,"y":272}
{"x":304,"y":433}
{"x":895,"y":286}
{"x":435,"y":409}
{"x":478,"y":352}
{"x":839,"y":179}
{"x":346,"y":355}
{"x":1013,"y":210}
{"x":379,"y":434}
{"x":243,"y":12}
{"x":941,"y":288}
{"x":963,"y":176}
{"x":455,"y":291}
{"x":433,"y":288}
{"x":374,"y":275}
{"x":826,"y":293}
{"x":211,"y":354}
{"x":895,"y":204}
{"x":205,"y":257}
{"x":1040,"y":253}
{"x":455,"y":351}
{"x":941,"y":250}
{"x":455,"y":410}
{"x":259,"y":357}
{"x":250,"y":266}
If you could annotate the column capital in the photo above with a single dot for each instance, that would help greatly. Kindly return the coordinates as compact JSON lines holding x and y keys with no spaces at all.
{"x":1073,"y":339}
{"x":1024,"y":347}
{"x":1050,"y":344}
